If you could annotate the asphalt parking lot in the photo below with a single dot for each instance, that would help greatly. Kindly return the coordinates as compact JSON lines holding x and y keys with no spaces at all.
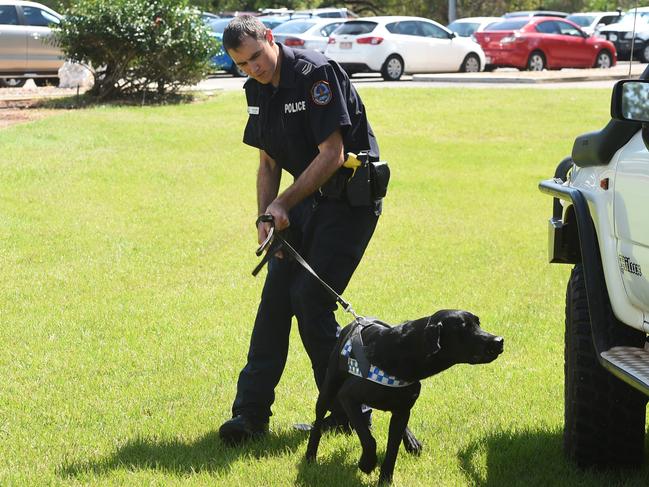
{"x":500,"y":78}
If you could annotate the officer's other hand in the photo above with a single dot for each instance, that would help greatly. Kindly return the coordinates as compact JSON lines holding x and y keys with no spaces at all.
{"x":280,"y":215}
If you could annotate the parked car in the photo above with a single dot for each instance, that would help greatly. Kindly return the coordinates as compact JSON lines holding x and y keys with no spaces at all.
{"x":397,"y":45}
{"x":327,"y":13}
{"x":222,"y":60}
{"x":272,"y":21}
{"x":593,"y":21}
{"x":467,"y":26}
{"x":310,"y":33}
{"x":621,"y":34}
{"x":26,"y":47}
{"x":536,"y":13}
{"x":536,"y":43}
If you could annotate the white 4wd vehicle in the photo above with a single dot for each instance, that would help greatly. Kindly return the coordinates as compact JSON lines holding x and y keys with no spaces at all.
{"x":600,"y":224}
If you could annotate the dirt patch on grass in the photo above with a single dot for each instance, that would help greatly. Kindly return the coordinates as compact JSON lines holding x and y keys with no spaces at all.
{"x":13,"y":116}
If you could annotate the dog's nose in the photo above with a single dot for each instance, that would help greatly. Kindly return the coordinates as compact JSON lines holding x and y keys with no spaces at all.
{"x":498,"y":345}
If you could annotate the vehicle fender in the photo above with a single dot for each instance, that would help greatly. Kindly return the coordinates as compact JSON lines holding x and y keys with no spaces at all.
{"x":592,"y":266}
{"x":590,"y":249}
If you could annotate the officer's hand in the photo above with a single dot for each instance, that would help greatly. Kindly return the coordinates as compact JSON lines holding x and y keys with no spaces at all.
{"x":280,"y":215}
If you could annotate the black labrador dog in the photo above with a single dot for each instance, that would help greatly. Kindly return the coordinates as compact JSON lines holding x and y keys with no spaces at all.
{"x":381,"y":366}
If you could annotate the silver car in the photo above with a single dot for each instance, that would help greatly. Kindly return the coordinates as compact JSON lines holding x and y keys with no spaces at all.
{"x":26,"y":48}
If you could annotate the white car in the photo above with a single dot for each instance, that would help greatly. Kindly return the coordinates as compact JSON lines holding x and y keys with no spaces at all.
{"x":26,"y":50}
{"x":310,"y":33}
{"x":396,"y":45}
{"x":467,"y":26}
{"x":590,"y":22}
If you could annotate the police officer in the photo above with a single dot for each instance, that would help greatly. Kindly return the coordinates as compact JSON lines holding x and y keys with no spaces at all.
{"x":304,"y":115}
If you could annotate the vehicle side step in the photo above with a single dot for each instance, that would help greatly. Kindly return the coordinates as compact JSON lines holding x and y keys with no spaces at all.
{"x":630,"y":364}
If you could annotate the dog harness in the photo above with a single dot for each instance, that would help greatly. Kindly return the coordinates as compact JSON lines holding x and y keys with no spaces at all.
{"x":358,"y":362}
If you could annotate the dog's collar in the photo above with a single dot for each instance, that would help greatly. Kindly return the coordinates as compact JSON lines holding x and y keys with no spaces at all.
{"x":374,"y":373}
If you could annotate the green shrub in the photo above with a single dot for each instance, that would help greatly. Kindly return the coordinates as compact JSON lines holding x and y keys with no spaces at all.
{"x":135,"y":46}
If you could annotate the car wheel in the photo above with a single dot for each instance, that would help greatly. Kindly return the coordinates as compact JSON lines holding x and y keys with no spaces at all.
{"x":604,"y":417}
{"x":46,"y":81}
{"x":392,"y":68}
{"x":536,"y":61}
{"x":12,"y":82}
{"x":237,"y":72}
{"x":471,"y":64}
{"x":644,"y":54}
{"x":605,"y":60}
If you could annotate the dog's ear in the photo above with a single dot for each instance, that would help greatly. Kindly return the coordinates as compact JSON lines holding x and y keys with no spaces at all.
{"x":432,"y":334}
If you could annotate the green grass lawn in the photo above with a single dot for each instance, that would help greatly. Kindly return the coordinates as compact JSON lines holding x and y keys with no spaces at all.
{"x":126,"y":300}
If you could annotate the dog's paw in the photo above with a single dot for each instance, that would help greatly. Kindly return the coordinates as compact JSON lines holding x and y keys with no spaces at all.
{"x":385,"y":480}
{"x":412,"y":444}
{"x":367,"y":463}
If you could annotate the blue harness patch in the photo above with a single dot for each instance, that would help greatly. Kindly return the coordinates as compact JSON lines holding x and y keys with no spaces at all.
{"x":375,"y":374}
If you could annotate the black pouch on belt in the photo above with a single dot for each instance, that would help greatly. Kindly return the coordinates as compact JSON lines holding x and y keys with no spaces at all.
{"x":359,"y":187}
{"x":380,"y":177}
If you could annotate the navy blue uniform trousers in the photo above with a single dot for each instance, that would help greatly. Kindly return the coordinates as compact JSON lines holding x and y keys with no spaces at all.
{"x":332,"y":237}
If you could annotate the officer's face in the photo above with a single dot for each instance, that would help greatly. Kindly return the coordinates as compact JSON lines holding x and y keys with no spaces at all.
{"x":258,"y":59}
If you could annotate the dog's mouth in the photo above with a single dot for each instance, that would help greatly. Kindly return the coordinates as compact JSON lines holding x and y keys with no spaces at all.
{"x":491,"y":352}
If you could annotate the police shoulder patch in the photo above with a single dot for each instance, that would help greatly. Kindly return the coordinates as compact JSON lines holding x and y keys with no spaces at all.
{"x":321,"y":92}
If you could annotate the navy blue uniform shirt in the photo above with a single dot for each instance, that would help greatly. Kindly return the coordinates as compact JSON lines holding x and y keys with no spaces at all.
{"x":314,"y":98}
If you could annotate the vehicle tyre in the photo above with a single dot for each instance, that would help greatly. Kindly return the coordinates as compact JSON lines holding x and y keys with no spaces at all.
{"x":536,"y":61}
{"x":54,"y":81}
{"x":237,"y":72}
{"x":604,"y":417}
{"x":604,"y":60}
{"x":471,"y":64}
{"x":489,"y":67}
{"x":644,"y":54}
{"x":12,"y":82}
{"x":392,"y":68}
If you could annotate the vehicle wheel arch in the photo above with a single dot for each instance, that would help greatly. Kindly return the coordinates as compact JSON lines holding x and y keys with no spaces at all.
{"x":470,"y":54}
{"x":384,"y":66}
{"x":534,"y":51}
{"x":606,"y":51}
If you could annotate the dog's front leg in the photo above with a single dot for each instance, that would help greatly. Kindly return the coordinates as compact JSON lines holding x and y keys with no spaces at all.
{"x":398,"y":425}
{"x":352,"y":407}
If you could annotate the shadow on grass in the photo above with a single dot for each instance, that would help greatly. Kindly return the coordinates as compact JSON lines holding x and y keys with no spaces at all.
{"x":531,"y":458}
{"x":179,"y":457}
{"x":337,"y":469}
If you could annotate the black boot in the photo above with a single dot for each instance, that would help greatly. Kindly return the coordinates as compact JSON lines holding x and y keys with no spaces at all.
{"x":242,"y":428}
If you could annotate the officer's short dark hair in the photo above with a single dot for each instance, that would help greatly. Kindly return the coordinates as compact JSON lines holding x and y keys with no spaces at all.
{"x":241,"y":26}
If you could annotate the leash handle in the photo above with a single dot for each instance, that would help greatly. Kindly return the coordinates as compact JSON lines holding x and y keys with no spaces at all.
{"x":269,"y":238}
{"x":284,"y":245}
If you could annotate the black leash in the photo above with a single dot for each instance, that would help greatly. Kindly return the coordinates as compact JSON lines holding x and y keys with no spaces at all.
{"x":275,"y":242}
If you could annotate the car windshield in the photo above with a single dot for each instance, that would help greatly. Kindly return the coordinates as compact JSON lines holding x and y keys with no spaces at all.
{"x":219,"y":25}
{"x":509,"y":24}
{"x":581,"y":20}
{"x":464,"y":29}
{"x":356,"y":27}
{"x":294,"y":27}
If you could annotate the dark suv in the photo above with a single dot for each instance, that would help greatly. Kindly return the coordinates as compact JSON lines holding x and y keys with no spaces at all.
{"x":26,"y":47}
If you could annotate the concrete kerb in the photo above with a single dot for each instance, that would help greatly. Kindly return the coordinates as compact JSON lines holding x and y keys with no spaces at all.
{"x":620,"y":71}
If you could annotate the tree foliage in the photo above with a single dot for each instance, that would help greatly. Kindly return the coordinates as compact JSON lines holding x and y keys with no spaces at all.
{"x":133,"y":45}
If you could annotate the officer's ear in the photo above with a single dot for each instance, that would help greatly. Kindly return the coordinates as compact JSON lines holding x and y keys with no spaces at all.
{"x":269,"y":36}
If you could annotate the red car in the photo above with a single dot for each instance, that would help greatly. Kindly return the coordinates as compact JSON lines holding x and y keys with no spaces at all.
{"x":537,"y":43}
